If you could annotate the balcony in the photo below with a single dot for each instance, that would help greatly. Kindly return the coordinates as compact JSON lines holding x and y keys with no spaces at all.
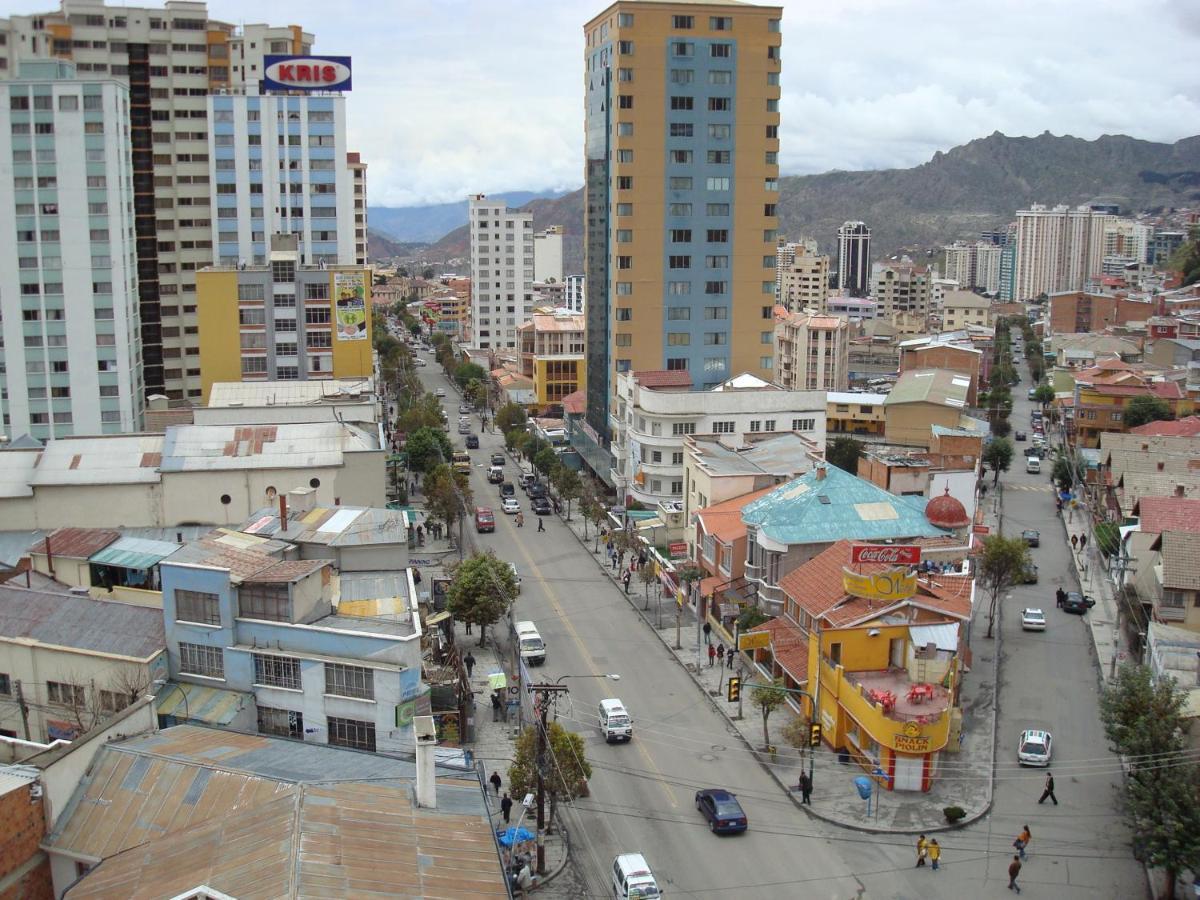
{"x":899,"y":698}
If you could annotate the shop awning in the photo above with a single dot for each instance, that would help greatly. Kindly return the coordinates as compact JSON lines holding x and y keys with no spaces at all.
{"x":196,"y":703}
{"x":497,"y":681}
{"x":133,"y":553}
{"x":437,"y":617}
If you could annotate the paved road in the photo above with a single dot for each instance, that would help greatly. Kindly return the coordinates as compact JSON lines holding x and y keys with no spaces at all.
{"x":642,"y":793}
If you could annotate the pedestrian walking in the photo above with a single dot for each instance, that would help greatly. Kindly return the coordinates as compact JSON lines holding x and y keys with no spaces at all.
{"x":1049,"y":790}
{"x":642,"y":559}
{"x":1060,"y":596}
{"x":721,"y":655}
{"x":729,"y":657}
{"x":712,"y":655}
{"x":506,"y":806}
{"x":805,"y":788}
{"x":1014,"y":869}
{"x":468,"y":624}
{"x":1082,"y":542}
{"x":469,"y":662}
{"x":420,"y":535}
{"x":625,"y":579}
{"x":541,"y":524}
{"x":1022,"y":841}
{"x":495,"y":706}
{"x":495,"y":780}
{"x":520,"y":520}
{"x":1074,"y":542}
{"x":707,"y":633}
{"x":935,"y":853}
{"x":922,"y":851}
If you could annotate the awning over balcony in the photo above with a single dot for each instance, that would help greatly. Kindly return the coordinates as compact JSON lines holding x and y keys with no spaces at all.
{"x":944,"y":637}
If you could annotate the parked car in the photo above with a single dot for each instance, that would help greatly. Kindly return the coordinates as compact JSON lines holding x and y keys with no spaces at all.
{"x":1032,"y":391}
{"x":541,"y":506}
{"x":1034,"y":748}
{"x":495,"y":475}
{"x":440,"y":392}
{"x":485,"y":520}
{"x":1031,"y":537}
{"x":465,"y":408}
{"x":497,"y":459}
{"x":472,"y":442}
{"x":509,"y":506}
{"x":507,"y":489}
{"x":525,"y":479}
{"x":536,"y":490}
{"x":1077,"y":603}
{"x":722,"y":810}
{"x":1019,"y":436}
{"x":1033,"y":620}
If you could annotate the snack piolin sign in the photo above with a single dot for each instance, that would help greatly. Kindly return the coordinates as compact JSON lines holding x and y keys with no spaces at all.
{"x":894,"y":584}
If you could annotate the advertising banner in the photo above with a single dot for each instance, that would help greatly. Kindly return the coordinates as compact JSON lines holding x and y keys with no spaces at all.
{"x":350,"y":294}
{"x":889,"y":554}
{"x":895,"y":584}
{"x":306,"y":73}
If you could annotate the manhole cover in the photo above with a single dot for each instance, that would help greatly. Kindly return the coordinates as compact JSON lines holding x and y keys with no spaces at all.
{"x":718,"y":747}
{"x":708,"y":757}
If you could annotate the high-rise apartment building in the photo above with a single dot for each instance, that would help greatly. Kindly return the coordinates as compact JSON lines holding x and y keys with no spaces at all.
{"x":1059,"y":249}
{"x":813,"y":352}
{"x":974,"y":265}
{"x":802,"y":275}
{"x":278,"y":165}
{"x":501,"y":272}
{"x":358,"y":173}
{"x":901,"y":288}
{"x":576,"y":284}
{"x":681,"y":187}
{"x":171,"y":57}
{"x":71,"y":347}
{"x":284,"y":319}
{"x":548,"y":255}
{"x":854,"y":258}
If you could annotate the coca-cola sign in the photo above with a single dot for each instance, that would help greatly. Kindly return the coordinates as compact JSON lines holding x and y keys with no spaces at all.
{"x":886,"y":554}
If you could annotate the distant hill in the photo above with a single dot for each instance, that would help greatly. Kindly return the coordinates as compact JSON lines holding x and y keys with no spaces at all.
{"x":380,"y":246}
{"x":428,"y":223}
{"x":956,"y":194}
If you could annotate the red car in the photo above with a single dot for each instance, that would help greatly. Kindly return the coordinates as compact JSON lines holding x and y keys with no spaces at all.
{"x":484,"y":519}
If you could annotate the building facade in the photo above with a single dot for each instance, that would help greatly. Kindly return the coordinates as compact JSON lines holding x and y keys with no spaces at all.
{"x":72,"y":343}
{"x":813,"y":352}
{"x":1059,"y":249}
{"x":171,"y":57}
{"x":974,"y":265}
{"x":358,"y":175}
{"x":901,"y":288}
{"x":552,"y":354}
{"x":963,"y":308}
{"x":502,"y":272}
{"x":291,"y":321}
{"x":854,"y":258}
{"x":548,"y":255}
{"x":682,"y":105}
{"x":802,"y":277}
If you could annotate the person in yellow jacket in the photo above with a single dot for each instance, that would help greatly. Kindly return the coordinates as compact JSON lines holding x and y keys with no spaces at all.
{"x":922,"y":850}
{"x":935,"y":853}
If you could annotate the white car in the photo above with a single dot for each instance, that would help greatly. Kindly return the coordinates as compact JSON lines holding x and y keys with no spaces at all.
{"x":1034,"y":748}
{"x":419,"y":363}
{"x":440,"y":392}
{"x":510,"y":506}
{"x":1033,"y":620}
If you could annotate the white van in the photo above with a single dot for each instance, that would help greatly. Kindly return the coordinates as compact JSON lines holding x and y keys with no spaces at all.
{"x":632,"y":877}
{"x":1033,"y":465}
{"x":533,"y":648}
{"x":615,"y":723}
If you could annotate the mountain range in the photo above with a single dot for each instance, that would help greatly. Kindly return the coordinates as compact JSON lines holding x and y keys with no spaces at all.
{"x":958,"y":193}
{"x":422,"y":224}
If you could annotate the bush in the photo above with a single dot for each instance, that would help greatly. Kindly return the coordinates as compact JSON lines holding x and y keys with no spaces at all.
{"x":749,"y":618}
{"x":954,"y":813}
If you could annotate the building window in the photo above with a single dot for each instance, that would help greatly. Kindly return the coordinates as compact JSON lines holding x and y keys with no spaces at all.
{"x":755,"y":426}
{"x":113,"y":701}
{"x":682,"y":76}
{"x":197,"y":606}
{"x":280,"y":722}
{"x":682,"y":103}
{"x":682,"y":23}
{"x":723,"y":427}
{"x":715,"y":338}
{"x":766,"y":362}
{"x":769,"y":425}
{"x":625,"y":101}
{"x":5,"y":685}
{"x":66,"y":694}
{"x":678,"y":313}
{"x":196,"y":659}
{"x":803,"y":424}
{"x":678,"y":339}
{"x":349,"y":681}
{"x":717,"y":184}
{"x":680,"y":428}
{"x":264,"y":601}
{"x":351,"y":733}
{"x":277,"y":671}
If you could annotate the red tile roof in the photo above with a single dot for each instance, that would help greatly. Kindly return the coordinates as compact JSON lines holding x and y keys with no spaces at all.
{"x":724,"y":520}
{"x":575,"y":403}
{"x":1159,"y":514}
{"x":816,"y":586}
{"x":76,"y":543}
{"x":660,"y":378}
{"x":1189,"y":426}
{"x":789,"y":644}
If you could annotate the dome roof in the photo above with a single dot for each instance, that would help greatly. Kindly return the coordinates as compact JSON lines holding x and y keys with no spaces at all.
{"x":946,"y":512}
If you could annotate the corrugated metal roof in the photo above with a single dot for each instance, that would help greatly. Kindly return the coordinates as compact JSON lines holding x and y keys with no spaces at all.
{"x":288,"y":393}
{"x":188,"y":448}
{"x":200,"y":703}
{"x":112,"y":459}
{"x":76,"y":543}
{"x":16,"y":471}
{"x":945,"y":637}
{"x":13,"y":777}
{"x":133,"y":553}
{"x":930,"y":386}
{"x":68,"y":620}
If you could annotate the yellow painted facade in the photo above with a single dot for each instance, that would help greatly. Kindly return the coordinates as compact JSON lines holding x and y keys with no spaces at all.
{"x":217,"y":320}
{"x":554,"y":379}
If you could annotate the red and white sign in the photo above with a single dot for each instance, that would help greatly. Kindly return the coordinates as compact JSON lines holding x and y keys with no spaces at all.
{"x":887,"y":554}
{"x":307,"y":73}
{"x":980,"y":529}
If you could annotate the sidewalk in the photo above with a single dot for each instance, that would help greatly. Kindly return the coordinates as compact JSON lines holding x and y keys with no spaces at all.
{"x":834,"y":797}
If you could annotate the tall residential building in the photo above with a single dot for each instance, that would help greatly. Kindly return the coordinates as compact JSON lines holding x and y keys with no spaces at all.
{"x":552,"y":354}
{"x":813,"y":352}
{"x":278,"y":165}
{"x":854,"y":258}
{"x":575,"y":292}
{"x":901,"y":288}
{"x":284,"y":320}
{"x":501,"y":272}
{"x":71,"y":350}
{"x":171,"y":57}
{"x":358,"y":172}
{"x":548,"y":255}
{"x":802,"y":275}
{"x":974,"y":265}
{"x":682,"y":104}
{"x":1059,"y":249}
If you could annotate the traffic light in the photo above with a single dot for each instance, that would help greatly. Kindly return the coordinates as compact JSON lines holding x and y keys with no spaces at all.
{"x":734,"y":689}
{"x":814,"y":734}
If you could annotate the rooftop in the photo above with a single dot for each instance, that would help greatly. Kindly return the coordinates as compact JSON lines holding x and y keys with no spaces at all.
{"x":243,"y":561}
{"x":225,"y":447}
{"x":289,"y":393}
{"x":1159,"y":514}
{"x":746,"y":382}
{"x":930,"y":386}
{"x":849,"y":397}
{"x":251,"y":815}
{"x":1180,"y":550}
{"x":785,"y":454}
{"x":724,"y":520}
{"x":81,"y":623}
{"x":75,"y":543}
{"x":828,"y":504}
{"x":337,"y":526}
{"x":1189,"y":426}
{"x":112,"y":459}
{"x":663,"y":378}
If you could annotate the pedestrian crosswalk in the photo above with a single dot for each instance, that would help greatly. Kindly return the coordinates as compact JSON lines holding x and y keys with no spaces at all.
{"x":1036,"y":488}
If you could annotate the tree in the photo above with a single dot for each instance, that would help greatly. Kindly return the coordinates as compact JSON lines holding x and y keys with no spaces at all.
{"x":422,"y":412}
{"x":687,"y":574}
{"x":1001,"y":564}
{"x":515,"y":439}
{"x":570,"y":487}
{"x":482,"y":588}
{"x":534,"y":446}
{"x":1146,"y":408}
{"x":647,"y":576}
{"x":447,"y":494}
{"x":998,"y":454}
{"x":427,"y":274}
{"x":768,"y":698}
{"x":844,"y":452}
{"x":427,"y":448}
{"x":1001,"y":427}
{"x":565,"y":773}
{"x":475,"y":392}
{"x":1043,"y":395}
{"x":545,"y":461}
{"x":510,"y":416}
{"x":467,"y":372}
{"x":1143,"y":717}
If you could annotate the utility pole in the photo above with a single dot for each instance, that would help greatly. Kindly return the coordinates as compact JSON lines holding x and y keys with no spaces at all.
{"x":544,"y":693}
{"x":24,"y":707}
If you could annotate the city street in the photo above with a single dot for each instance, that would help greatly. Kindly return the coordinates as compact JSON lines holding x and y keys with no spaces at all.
{"x":641,"y":793}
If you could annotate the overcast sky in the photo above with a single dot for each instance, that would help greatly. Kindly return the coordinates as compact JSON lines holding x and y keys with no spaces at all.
{"x":457,"y":96}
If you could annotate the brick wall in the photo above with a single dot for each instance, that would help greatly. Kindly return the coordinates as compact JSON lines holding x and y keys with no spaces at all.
{"x":24,"y":869}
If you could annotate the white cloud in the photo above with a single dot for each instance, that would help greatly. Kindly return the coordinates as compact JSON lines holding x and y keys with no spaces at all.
{"x":457,"y":96}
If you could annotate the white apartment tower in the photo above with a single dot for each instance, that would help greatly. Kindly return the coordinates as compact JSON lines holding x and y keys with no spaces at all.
{"x":974,"y":265}
{"x":68,"y":267}
{"x":502,"y":272}
{"x":171,"y":57}
{"x":548,"y":254}
{"x":854,"y":258}
{"x":802,"y":277}
{"x":358,"y":172}
{"x":1059,"y":249}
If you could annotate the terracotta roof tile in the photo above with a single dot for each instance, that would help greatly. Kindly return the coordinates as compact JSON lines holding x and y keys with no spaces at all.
{"x":789,"y":644}
{"x":1159,"y":514}
{"x":1179,"y":553}
{"x":657,"y":378}
{"x":575,"y":403}
{"x":1188,"y":426}
{"x":724,"y":520}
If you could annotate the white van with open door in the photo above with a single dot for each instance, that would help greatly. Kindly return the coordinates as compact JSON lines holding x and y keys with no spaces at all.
{"x":615,"y":723}
{"x":532,"y":647}
{"x":632,"y":877}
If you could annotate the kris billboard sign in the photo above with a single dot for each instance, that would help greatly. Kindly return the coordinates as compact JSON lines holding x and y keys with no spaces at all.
{"x":306,"y":73}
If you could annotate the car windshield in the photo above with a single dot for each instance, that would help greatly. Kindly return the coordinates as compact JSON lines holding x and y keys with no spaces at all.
{"x":532,"y":644}
{"x":1033,"y":748}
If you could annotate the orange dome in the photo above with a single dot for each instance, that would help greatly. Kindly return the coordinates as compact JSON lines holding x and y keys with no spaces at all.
{"x":946,"y":512}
